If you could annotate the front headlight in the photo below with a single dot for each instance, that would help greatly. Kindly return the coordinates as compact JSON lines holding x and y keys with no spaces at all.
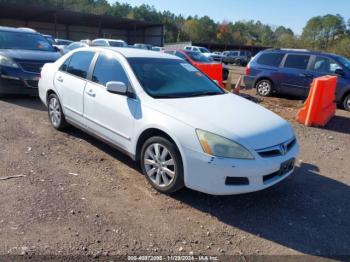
{"x":5,"y":61}
{"x":219,"y":146}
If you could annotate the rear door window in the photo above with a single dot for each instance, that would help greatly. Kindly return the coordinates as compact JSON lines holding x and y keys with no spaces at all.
{"x":297,"y":61}
{"x":271,"y":59}
{"x":79,"y":63}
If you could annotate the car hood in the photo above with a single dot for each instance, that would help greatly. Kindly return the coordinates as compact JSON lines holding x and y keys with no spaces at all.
{"x":233,"y":117}
{"x":29,"y":55}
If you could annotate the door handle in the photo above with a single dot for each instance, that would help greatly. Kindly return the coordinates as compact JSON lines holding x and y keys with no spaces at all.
{"x":306,"y":75}
{"x":91,"y":93}
{"x":60,"y":79}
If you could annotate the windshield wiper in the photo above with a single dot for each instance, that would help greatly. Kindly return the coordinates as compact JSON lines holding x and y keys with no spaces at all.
{"x":209,"y":93}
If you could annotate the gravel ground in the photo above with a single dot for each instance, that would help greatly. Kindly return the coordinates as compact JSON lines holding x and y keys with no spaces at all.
{"x":78,"y":196}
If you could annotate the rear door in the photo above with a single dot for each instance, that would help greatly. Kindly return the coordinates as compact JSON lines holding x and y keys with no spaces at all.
{"x":295,"y":76}
{"x":70,"y":82}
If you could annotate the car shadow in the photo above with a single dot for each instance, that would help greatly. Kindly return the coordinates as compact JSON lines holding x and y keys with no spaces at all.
{"x":307,"y":212}
{"x":115,"y":153}
{"x":340,"y":124}
{"x":25,"y":101}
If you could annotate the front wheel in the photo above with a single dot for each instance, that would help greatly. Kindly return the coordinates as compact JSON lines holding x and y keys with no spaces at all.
{"x":346,"y":103}
{"x":162,"y":165}
{"x":264,"y":87}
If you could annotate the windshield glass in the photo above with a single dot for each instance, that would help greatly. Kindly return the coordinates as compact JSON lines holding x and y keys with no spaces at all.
{"x":172,"y":78}
{"x":117,"y":44}
{"x":198,"y":57}
{"x":24,"y":41}
{"x":204,"y":50}
{"x":344,"y":61}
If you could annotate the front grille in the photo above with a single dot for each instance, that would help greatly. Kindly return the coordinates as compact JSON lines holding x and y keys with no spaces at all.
{"x":32,"y":67}
{"x":236,"y":181}
{"x":278,"y":150}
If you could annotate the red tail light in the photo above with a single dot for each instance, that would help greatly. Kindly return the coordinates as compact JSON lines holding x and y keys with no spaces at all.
{"x":247,"y":71}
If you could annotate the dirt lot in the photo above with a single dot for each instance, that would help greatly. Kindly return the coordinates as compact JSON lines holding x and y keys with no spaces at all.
{"x":81,"y":197}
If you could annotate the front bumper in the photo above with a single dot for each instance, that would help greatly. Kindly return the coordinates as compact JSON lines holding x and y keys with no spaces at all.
{"x":18,"y":83}
{"x":209,"y":174}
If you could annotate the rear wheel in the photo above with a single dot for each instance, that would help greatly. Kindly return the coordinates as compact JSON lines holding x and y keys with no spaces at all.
{"x":55,"y":112}
{"x":239,"y":62}
{"x":346,"y":102}
{"x":162,"y":165}
{"x":264,"y":87}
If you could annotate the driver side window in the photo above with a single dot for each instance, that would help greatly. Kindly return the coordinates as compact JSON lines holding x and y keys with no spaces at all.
{"x":108,"y":69}
{"x":325,"y":65}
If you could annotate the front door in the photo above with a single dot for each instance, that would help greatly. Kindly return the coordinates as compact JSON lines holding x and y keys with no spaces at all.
{"x":110,"y":115}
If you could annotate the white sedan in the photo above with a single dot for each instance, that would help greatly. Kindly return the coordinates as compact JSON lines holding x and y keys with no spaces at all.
{"x":181,"y":127}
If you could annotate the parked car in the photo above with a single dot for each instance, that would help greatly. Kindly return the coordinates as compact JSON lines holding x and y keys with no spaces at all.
{"x":216,"y":56}
{"x":22,"y":55}
{"x":109,"y":42}
{"x":212,"y":69}
{"x":291,"y":72}
{"x":182,"y":128}
{"x":50,"y":39}
{"x":143,"y":46}
{"x":73,"y":46}
{"x":62,"y":43}
{"x":199,"y":49}
{"x":157,"y":48}
{"x":240,"y":58}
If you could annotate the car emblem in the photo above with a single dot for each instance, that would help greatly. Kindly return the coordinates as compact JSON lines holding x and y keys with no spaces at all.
{"x":283,"y":149}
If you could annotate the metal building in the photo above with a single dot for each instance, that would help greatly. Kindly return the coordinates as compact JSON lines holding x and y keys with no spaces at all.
{"x":75,"y":26}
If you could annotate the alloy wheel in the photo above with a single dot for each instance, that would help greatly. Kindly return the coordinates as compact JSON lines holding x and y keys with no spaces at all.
{"x":160,"y":165}
{"x":55,"y":112}
{"x":264,"y":88}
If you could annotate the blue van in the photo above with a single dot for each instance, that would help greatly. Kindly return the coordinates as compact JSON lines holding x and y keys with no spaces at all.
{"x":22,"y":55}
{"x":291,"y":71}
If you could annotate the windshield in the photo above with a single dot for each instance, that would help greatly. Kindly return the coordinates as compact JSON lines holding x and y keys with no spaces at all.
{"x":24,"y":41}
{"x":204,"y":50}
{"x":117,"y":44}
{"x":172,"y":78}
{"x":344,"y":61}
{"x":198,"y":57}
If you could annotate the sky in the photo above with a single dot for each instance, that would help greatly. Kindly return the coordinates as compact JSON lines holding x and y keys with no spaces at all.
{"x":290,"y":13}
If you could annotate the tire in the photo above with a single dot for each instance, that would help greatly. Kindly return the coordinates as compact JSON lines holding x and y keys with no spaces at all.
{"x":165,"y":178}
{"x":55,"y":112}
{"x":264,"y":87}
{"x":346,"y":102}
{"x":238,"y":62}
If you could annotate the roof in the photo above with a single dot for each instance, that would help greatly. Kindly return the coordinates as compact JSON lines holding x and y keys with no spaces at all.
{"x":106,"y":39}
{"x":39,"y":13}
{"x":133,"y":52}
{"x":18,"y":30}
{"x":299,"y":51}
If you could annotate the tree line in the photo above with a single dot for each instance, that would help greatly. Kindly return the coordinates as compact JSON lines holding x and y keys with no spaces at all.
{"x":327,"y":33}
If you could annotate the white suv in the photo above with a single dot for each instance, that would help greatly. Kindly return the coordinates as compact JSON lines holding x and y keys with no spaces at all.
{"x":181,"y":127}
{"x":200,"y":49}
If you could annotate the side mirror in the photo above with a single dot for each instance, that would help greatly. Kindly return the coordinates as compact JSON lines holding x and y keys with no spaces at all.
{"x":339,"y":72}
{"x":117,"y":87}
